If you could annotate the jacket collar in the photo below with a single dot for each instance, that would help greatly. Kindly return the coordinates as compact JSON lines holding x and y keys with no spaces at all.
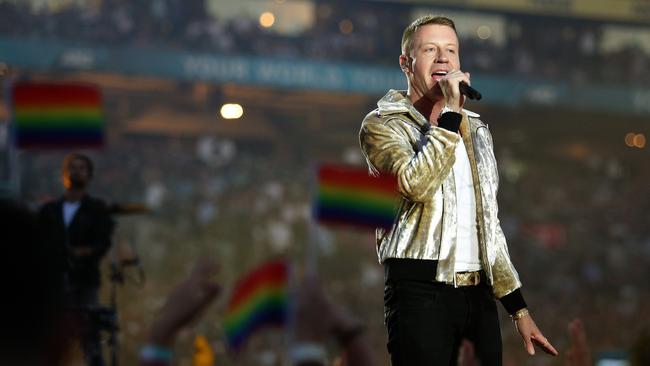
{"x":82,"y":202}
{"x":395,"y":101}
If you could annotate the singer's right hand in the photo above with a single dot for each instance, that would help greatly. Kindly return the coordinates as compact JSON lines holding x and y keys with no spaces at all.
{"x":451,"y":91}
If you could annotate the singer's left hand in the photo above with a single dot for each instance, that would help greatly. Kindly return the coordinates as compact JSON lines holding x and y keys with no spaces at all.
{"x":533,"y":336}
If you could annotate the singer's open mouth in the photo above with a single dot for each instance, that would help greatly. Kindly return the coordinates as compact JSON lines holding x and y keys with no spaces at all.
{"x":438,"y":75}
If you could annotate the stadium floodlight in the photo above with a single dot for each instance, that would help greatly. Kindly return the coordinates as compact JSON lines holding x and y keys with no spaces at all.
{"x":267,"y":19}
{"x":231,"y":111}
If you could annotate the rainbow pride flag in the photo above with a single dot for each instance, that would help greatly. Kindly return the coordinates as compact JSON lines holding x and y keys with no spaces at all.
{"x":57,"y":115}
{"x":350,"y":196}
{"x":260,"y":298}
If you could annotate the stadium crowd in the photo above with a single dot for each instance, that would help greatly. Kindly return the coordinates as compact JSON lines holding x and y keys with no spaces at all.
{"x":535,"y":46}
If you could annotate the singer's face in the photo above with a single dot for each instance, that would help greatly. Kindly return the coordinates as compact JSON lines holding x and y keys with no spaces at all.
{"x":434,"y":52}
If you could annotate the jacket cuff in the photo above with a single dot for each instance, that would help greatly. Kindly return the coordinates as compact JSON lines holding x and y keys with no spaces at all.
{"x":450,"y":121}
{"x":513,"y":301}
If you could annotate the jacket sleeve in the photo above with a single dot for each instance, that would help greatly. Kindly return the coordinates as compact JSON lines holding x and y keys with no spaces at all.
{"x":506,"y":280}
{"x":419,"y":162}
{"x":506,"y":284}
{"x":50,"y":237}
{"x":95,"y":231}
{"x":103,"y":230}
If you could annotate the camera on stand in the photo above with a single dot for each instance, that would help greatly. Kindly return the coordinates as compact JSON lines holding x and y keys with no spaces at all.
{"x":96,"y":318}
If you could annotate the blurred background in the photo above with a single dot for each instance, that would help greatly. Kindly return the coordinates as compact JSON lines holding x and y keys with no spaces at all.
{"x":566,"y":86}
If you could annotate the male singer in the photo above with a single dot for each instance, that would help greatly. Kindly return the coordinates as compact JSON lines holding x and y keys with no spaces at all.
{"x":445,"y":257}
{"x":78,"y":227}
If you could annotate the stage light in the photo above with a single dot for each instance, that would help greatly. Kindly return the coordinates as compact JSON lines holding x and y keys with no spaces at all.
{"x":232,"y":111}
{"x":346,"y":26}
{"x":639,"y":140}
{"x":267,"y":19}
{"x":633,"y":139}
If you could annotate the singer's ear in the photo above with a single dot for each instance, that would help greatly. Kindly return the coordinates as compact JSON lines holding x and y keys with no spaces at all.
{"x":405,"y":63}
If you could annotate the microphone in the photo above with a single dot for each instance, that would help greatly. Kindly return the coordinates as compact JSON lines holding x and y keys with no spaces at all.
{"x":468,"y":91}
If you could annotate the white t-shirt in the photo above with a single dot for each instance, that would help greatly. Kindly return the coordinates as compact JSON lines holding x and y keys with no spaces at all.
{"x":69,"y":210}
{"x":467,"y":255}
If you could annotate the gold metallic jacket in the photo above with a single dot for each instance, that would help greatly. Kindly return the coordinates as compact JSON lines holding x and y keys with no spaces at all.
{"x":396,"y":139}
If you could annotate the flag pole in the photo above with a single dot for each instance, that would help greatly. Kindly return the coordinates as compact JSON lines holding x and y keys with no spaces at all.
{"x":310,"y":261}
{"x":289,"y":332}
{"x":313,"y":243}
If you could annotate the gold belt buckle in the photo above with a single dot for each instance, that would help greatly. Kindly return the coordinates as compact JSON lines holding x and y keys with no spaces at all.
{"x":468,"y":278}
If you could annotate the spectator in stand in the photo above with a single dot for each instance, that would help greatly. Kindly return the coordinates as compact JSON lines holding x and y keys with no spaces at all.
{"x":189,"y":25}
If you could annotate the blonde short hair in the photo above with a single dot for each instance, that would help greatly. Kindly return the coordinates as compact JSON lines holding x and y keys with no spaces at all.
{"x":407,"y":36}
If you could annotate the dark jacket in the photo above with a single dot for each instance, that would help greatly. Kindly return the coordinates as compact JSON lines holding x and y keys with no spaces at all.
{"x":91,"y":226}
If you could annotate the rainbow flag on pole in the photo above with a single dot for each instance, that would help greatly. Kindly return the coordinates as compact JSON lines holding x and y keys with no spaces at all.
{"x":350,"y":196}
{"x":260,"y":298}
{"x":57,"y":115}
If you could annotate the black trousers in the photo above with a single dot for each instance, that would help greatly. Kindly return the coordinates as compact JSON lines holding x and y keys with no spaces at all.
{"x":82,"y":300}
{"x":428,"y":320}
